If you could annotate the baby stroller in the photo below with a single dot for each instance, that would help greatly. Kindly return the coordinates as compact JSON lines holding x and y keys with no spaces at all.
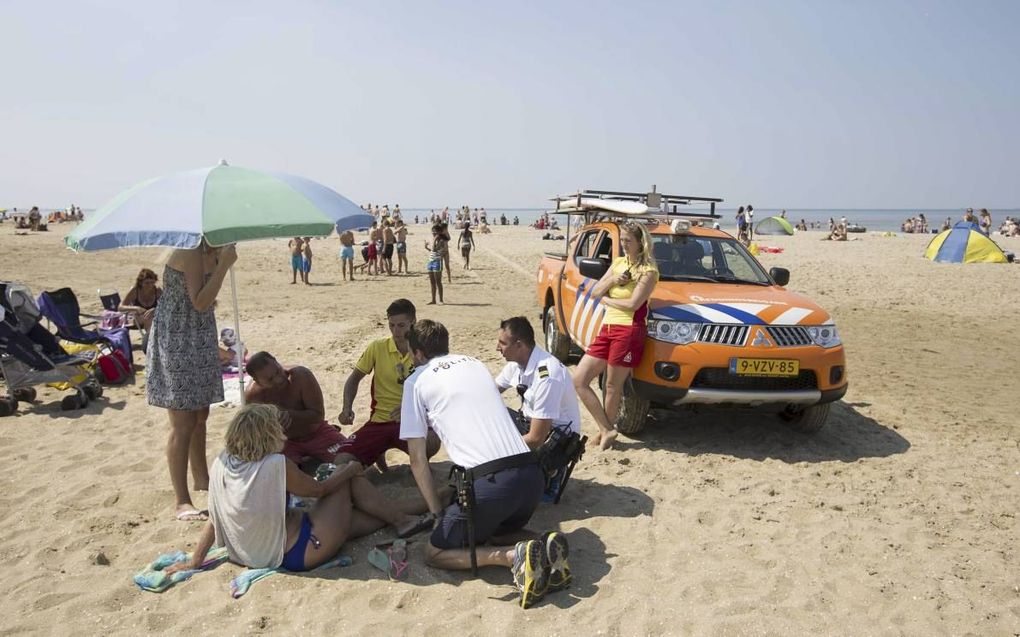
{"x":30,"y":355}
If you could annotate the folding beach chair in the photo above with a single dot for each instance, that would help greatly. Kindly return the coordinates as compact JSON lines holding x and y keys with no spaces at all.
{"x":61,"y":308}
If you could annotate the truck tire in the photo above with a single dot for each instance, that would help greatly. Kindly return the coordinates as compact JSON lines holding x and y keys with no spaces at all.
{"x":633,"y":409}
{"x":556,"y":343}
{"x":806,"y":421}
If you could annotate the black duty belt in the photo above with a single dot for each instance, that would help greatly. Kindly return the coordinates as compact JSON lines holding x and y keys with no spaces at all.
{"x":501,"y":464}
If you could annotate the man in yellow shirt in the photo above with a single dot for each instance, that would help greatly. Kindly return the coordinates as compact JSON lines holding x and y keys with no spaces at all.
{"x":390,"y":362}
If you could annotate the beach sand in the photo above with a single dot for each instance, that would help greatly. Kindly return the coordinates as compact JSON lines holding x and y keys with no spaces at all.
{"x":898,"y":518}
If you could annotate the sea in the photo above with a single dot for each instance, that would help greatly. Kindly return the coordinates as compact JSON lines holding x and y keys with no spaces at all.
{"x":873,"y":219}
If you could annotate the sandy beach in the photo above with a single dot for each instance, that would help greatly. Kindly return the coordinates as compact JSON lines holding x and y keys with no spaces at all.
{"x":899,"y":517}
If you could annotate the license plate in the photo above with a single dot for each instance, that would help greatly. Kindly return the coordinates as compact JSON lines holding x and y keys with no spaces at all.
{"x":764,"y":367}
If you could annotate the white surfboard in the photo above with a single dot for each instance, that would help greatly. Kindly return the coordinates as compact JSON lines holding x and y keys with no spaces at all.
{"x":610,"y":205}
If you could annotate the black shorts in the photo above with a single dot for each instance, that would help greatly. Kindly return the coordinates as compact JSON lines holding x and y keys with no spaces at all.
{"x":387,"y":251}
{"x":504,"y":502}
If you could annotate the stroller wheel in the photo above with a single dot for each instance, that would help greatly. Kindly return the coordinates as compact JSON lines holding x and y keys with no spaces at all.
{"x":8,"y":406}
{"x":93,"y":391}
{"x":26,"y":394}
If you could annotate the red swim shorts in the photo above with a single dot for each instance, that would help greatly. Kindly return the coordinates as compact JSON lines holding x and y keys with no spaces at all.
{"x":619,"y":345}
{"x":372,"y":440}
{"x":323,"y":444}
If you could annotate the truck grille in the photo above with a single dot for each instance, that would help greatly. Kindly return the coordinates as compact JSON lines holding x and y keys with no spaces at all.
{"x":789,"y":335}
{"x":720,"y":378}
{"x":722,"y":334}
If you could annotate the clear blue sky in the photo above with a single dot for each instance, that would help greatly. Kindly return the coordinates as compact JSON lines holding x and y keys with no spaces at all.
{"x":798,"y":104}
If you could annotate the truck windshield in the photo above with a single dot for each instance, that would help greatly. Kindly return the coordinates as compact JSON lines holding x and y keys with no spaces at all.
{"x":683,"y":257}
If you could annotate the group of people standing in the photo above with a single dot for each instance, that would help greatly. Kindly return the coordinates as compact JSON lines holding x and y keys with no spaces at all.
{"x":422,"y":395}
{"x":745,"y":224}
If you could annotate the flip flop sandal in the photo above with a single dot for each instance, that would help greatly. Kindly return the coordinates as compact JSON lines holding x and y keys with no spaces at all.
{"x":398,"y":560}
{"x":379,"y":559}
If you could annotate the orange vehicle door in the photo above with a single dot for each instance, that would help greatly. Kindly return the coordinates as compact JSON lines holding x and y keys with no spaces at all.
{"x":585,"y":317}
{"x":573,"y":286}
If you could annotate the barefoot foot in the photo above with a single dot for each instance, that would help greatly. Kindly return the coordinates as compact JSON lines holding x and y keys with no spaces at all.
{"x":608,"y":440}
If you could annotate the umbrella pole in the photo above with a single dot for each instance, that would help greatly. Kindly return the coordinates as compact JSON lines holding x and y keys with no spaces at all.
{"x":237,"y":332}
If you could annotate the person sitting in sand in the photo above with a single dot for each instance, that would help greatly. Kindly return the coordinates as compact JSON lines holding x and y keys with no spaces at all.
{"x":248,"y":514}
{"x":389,"y":361}
{"x":466,"y":242}
{"x":228,"y":350}
{"x":141,"y":300}
{"x":295,"y":245}
{"x":347,"y":254}
{"x":838,"y":233}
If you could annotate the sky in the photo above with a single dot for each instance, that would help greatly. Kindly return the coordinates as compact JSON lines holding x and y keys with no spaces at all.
{"x":792,"y":104}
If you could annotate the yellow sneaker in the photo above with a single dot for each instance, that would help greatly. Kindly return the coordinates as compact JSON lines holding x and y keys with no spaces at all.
{"x":556,"y":549}
{"x":531,"y":571}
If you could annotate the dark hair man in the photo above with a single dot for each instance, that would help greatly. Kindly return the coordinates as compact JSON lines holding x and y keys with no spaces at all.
{"x":455,"y":395}
{"x":389,"y":361}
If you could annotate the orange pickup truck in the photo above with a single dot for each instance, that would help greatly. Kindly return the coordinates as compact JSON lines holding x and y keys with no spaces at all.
{"x":722,"y":331}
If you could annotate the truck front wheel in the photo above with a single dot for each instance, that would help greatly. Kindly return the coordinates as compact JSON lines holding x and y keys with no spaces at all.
{"x":556,"y":343}
{"x":633,"y":409}
{"x":806,"y":421}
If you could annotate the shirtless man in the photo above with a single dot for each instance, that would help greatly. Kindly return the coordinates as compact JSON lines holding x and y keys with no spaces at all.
{"x":297,"y":394}
{"x":295,"y":259}
{"x":401,"y":246}
{"x":389,"y":239}
{"x":347,"y":253}
{"x":306,"y":260}
{"x":375,"y":244}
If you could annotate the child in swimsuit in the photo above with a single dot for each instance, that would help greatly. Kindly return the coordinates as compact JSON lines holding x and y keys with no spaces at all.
{"x":296,"y":264}
{"x":306,"y":260}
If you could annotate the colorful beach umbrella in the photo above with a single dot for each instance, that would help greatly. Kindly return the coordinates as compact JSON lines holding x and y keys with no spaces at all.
{"x":222,"y":204}
{"x":964,"y":243}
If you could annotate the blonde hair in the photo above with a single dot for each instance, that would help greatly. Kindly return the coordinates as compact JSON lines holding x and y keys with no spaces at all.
{"x":254,"y":433}
{"x":644,"y":239}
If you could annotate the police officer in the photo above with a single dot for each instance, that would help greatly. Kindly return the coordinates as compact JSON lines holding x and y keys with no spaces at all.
{"x":549,"y":399}
{"x":454,"y":395}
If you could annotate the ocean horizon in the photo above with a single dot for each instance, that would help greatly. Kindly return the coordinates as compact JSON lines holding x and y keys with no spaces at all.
{"x":873,"y":219}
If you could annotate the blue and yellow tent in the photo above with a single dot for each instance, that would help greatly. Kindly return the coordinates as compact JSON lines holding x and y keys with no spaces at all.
{"x":964,"y":243}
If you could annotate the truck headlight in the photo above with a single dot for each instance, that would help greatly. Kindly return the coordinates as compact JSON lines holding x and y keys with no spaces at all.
{"x":824,"y":335}
{"x":674,"y":331}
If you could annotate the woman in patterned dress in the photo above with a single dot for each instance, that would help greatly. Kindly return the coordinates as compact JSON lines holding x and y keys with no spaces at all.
{"x":183,"y":367}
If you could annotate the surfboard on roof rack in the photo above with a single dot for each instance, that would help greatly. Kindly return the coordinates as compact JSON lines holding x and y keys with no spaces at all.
{"x":633,"y":203}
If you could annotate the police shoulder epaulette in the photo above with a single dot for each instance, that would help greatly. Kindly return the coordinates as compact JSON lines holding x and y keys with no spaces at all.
{"x":543,"y":371}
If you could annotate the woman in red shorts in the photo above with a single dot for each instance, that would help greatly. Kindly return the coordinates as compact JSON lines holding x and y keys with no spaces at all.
{"x":617,"y":350}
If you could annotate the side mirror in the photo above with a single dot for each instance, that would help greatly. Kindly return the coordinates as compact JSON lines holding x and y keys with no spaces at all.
{"x":780,"y":275}
{"x":593,"y":268}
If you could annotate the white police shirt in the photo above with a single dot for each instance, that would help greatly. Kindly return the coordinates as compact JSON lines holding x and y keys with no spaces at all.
{"x":455,"y":395}
{"x":550,"y":394}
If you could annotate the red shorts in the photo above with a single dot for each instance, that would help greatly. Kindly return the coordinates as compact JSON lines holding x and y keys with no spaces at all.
{"x":619,"y":345}
{"x":323,"y":444}
{"x":372,"y":441}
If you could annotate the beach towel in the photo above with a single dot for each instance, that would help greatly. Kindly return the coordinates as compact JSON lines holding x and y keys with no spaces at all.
{"x":153,"y":579}
{"x":240,"y":584}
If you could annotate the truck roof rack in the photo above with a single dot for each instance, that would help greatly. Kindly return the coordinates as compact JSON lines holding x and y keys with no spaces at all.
{"x":646,"y":205}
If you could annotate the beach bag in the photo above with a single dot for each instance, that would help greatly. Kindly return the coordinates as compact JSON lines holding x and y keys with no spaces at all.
{"x":113,"y":368}
{"x":111,"y":320}
{"x":120,"y":338}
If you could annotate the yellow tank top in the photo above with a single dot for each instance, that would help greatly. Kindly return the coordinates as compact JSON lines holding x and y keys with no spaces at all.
{"x":615,"y":316}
